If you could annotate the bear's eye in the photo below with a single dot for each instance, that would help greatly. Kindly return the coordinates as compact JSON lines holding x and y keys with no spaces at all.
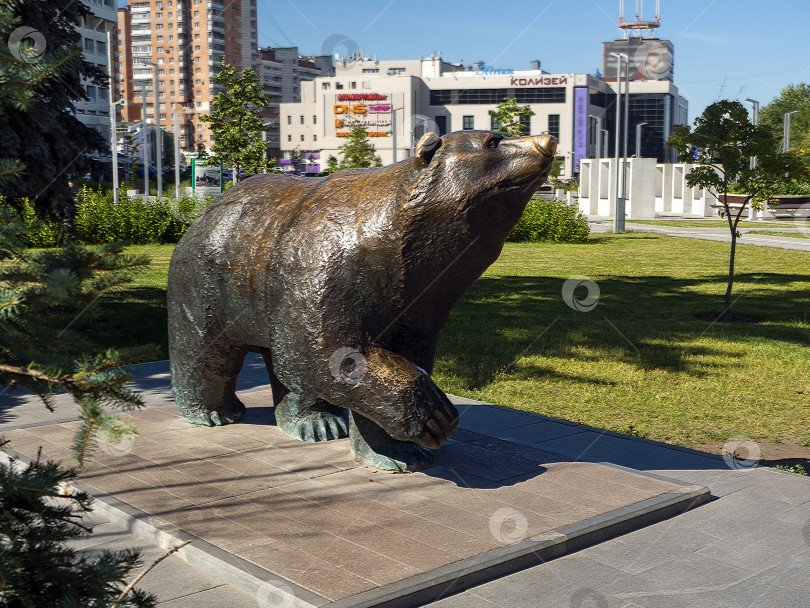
{"x":493,"y":142}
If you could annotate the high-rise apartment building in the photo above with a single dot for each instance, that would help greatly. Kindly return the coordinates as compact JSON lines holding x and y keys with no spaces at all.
{"x":281,"y":71}
{"x":186,"y":42}
{"x":95,"y":112}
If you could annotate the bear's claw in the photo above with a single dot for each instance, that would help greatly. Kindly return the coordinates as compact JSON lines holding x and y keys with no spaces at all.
{"x":310,"y":419}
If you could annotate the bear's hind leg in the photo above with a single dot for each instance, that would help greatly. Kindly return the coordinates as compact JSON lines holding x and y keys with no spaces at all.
{"x":309,"y":418}
{"x":204,"y":383}
{"x":372,"y":446}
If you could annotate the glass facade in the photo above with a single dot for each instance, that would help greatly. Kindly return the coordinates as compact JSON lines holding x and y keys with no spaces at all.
{"x":540,"y":95}
{"x":554,"y":126}
{"x":658,"y":111}
{"x":496,"y":96}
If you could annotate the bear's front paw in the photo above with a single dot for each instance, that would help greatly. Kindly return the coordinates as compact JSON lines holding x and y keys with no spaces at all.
{"x":310,"y":419}
{"x":404,"y":457}
{"x":437,"y":417}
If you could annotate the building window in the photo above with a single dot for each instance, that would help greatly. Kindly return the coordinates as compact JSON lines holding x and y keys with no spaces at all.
{"x":302,"y":120}
{"x":314,"y":138}
{"x":289,"y":120}
{"x":353,"y":85}
{"x":338,"y":85}
{"x":326,"y":86}
{"x":468,"y":123}
{"x":441,"y":124}
{"x":302,"y":138}
{"x":160,"y":38}
{"x":540,"y":95}
{"x":289,"y":138}
{"x":314,"y":119}
{"x":554,"y":126}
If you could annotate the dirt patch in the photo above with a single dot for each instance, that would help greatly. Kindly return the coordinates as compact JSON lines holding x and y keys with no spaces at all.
{"x":787,"y":453}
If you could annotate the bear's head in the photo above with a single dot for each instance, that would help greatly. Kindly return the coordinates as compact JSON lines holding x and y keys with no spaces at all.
{"x":479,"y":175}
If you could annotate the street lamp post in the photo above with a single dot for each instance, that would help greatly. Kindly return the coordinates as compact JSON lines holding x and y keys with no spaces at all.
{"x":394,"y":132}
{"x":144,"y":142}
{"x":158,"y":134}
{"x":638,"y":138}
{"x":598,"y":136}
{"x":618,"y":215}
{"x":176,"y":156}
{"x":113,"y":103}
{"x":786,"y":137}
{"x":753,"y":162}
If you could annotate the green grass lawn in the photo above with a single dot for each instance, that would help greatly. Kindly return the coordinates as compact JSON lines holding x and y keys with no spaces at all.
{"x":717,"y":223}
{"x":648,"y":360}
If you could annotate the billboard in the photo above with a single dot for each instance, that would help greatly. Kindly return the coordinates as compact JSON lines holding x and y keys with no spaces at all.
{"x":650,"y":59}
{"x":371,"y":110}
{"x":580,"y":125}
{"x":205,"y":180}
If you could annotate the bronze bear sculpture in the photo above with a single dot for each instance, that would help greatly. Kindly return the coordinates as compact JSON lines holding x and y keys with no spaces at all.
{"x":343,"y":283}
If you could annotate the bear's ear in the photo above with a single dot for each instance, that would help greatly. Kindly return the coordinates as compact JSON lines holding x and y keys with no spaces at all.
{"x":425,"y":149}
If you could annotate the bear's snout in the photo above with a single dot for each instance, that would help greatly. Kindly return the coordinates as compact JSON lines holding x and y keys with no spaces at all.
{"x":545,"y":144}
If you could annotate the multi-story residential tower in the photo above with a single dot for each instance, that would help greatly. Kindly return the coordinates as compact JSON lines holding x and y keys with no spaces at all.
{"x":95,"y":112}
{"x":281,"y":71}
{"x":186,"y":41}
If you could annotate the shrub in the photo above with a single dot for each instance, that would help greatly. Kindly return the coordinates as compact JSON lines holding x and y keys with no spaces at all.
{"x":555,"y":221}
{"x":99,"y":220}
{"x":41,"y":232}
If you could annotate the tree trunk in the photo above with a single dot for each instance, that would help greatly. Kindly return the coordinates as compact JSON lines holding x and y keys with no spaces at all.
{"x":726,"y":317}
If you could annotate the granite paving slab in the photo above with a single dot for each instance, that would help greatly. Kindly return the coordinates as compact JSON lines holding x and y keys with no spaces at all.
{"x":305,"y":521}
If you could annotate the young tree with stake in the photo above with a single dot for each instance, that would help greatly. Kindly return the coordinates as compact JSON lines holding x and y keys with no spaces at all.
{"x":721,"y":145}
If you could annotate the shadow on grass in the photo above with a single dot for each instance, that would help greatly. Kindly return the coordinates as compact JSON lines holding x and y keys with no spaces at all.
{"x":652,"y":322}
{"x":128,"y":317}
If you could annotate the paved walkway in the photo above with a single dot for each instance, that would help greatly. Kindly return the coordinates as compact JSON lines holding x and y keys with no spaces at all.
{"x":721,"y":233}
{"x":748,"y":547}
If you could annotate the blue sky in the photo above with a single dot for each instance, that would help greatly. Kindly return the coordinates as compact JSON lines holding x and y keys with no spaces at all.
{"x":724,"y":49}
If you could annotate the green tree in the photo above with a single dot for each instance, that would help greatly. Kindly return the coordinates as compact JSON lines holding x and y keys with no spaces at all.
{"x":44,"y":294}
{"x":43,"y":75}
{"x":510,"y":118}
{"x":202,"y":152}
{"x":721,"y":144}
{"x":793,"y":98}
{"x":236,"y":126}
{"x":358,"y":152}
{"x":38,"y":567}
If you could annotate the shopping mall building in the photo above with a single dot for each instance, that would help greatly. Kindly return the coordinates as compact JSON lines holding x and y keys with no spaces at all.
{"x":398,"y":101}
